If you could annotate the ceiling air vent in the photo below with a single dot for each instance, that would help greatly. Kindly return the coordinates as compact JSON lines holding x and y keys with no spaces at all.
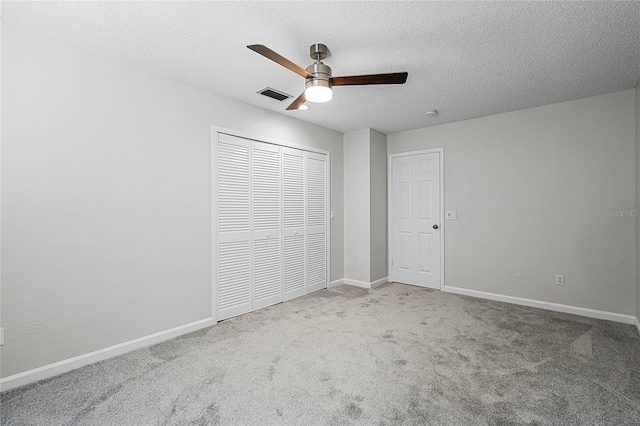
{"x":274,"y":94}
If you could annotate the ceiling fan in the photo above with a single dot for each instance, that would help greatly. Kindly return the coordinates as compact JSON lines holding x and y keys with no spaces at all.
{"x":318,"y":75}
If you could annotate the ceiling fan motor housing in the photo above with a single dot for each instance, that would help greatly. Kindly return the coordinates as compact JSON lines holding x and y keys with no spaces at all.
{"x":321,"y":75}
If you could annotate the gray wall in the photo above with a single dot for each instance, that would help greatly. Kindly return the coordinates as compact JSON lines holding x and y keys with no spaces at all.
{"x":365,"y":205}
{"x":378,"y":191}
{"x":531,"y":188}
{"x":356,"y":205}
{"x":106,"y":200}
{"x":637,"y":92}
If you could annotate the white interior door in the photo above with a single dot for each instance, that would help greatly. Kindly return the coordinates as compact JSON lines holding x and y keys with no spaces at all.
{"x":415,"y":210}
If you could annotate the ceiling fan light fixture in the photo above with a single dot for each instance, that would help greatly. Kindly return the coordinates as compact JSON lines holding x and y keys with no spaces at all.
{"x":318,"y":94}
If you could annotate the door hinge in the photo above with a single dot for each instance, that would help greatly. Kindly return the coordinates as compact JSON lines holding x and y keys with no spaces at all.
{"x":392,"y":261}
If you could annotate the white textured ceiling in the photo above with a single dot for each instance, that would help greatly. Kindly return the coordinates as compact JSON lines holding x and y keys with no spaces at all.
{"x":465,"y":59}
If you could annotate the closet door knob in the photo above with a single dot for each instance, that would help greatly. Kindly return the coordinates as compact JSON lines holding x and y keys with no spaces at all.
{"x":435,"y":226}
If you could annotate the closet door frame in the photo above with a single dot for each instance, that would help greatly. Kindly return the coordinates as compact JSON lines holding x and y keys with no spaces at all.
{"x":215,"y":130}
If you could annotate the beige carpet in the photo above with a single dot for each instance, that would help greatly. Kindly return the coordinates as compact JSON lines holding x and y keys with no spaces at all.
{"x":395,"y":355}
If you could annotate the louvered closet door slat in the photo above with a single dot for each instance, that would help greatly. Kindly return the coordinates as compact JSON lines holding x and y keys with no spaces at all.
{"x":316,"y":191}
{"x":266,"y":187}
{"x":267,"y":273}
{"x":233,"y":278}
{"x":234,"y":250}
{"x":293,"y":188}
{"x":233,"y":185}
{"x":316,"y":207}
{"x":293,"y":195}
{"x":294,"y":267}
{"x":316,"y":261}
{"x":267,"y":217}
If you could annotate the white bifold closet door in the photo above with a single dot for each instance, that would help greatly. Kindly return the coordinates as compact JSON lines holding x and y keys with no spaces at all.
{"x":235,"y":264}
{"x":272,"y":224}
{"x":316,"y":224}
{"x":293,"y":194}
{"x":267,"y":217}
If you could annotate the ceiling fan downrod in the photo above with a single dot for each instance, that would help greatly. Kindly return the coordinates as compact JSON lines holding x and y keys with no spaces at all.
{"x":318,"y":51}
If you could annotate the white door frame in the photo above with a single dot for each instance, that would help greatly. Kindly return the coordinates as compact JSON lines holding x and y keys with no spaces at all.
{"x":214,"y":197}
{"x":390,"y":158}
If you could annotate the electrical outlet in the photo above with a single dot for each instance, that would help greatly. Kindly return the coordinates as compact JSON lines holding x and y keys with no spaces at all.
{"x":559,"y":279}
{"x":359,"y":263}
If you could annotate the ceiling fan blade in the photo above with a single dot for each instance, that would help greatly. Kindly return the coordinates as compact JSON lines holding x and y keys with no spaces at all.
{"x":300,"y":100}
{"x":363,"y":80}
{"x":279,"y":59}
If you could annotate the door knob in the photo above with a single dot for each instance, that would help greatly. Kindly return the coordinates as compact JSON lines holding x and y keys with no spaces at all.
{"x":435,"y":226}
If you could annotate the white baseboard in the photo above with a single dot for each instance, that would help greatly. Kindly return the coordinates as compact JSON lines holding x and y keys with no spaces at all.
{"x":357,"y":283}
{"x":550,"y":306}
{"x":66,"y":365}
{"x":364,"y":284}
{"x":380,"y":282}
{"x":336,"y":283}
{"x":637,"y":324}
